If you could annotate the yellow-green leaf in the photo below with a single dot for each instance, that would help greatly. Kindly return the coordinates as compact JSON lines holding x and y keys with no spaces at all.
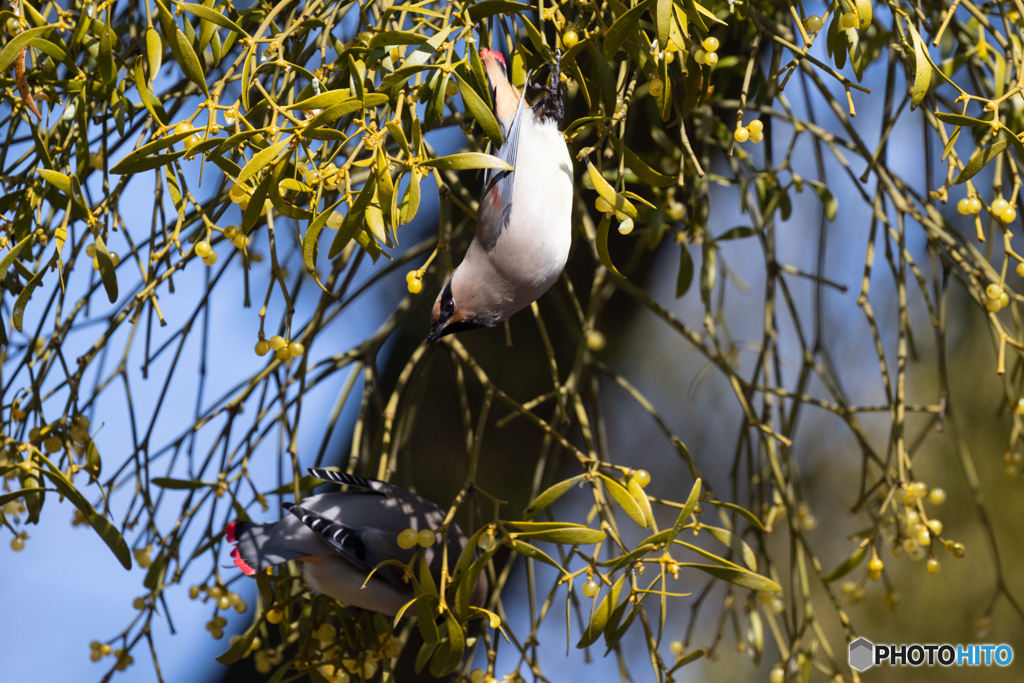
{"x":663,"y":20}
{"x":864,"y":13}
{"x":980,"y":160}
{"x":848,"y":565}
{"x":642,"y":500}
{"x":488,"y":8}
{"x":212,"y":15}
{"x":107,"y":273}
{"x":466,"y":161}
{"x":480,"y":111}
{"x":600,"y":617}
{"x":625,"y":501}
{"x":9,"y":257}
{"x":325,"y":100}
{"x":735,"y":575}
{"x":608,"y":193}
{"x":734,"y":543}
{"x":190,"y":61}
{"x":569,"y":535}
{"x":746,"y":514}
{"x":688,"y":508}
{"x":922,"y":68}
{"x":354,"y":218}
{"x":601,"y":242}
{"x":548,"y":497}
{"x":262,"y":159}
{"x":11,"y":50}
{"x":622,"y":28}
{"x":18,"y":311}
{"x":154,"y":52}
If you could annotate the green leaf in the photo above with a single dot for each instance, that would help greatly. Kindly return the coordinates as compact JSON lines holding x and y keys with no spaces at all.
{"x":131,"y":167}
{"x":240,"y":647}
{"x":645,"y":173}
{"x":688,"y":658}
{"x":312,"y":233}
{"x":354,"y":218}
{"x":15,"y":495}
{"x":745,"y":514}
{"x":864,"y":13}
{"x":625,"y":501}
{"x":107,"y":273}
{"x":489,"y":8}
{"x":601,"y":242}
{"x":480,"y":110}
{"x":599,"y":619}
{"x":566,"y":535}
{"x":179,"y":484}
{"x":958,"y":120}
{"x":622,"y":28}
{"x":105,"y":59}
{"x":549,"y":496}
{"x":326,"y":100}
{"x":256,"y":203}
{"x":922,"y":68}
{"x":980,"y":160}
{"x":9,"y":257}
{"x":389,"y":38}
{"x":828,"y":202}
{"x":410,"y":200}
{"x":688,"y":508}
{"x":190,"y":62}
{"x":154,"y":52}
{"x":734,"y":543}
{"x":467,"y":161}
{"x":335,"y":112}
{"x":18,"y":311}
{"x":212,"y":16}
{"x":262,"y":159}
{"x":641,"y":499}
{"x":848,"y":565}
{"x":101,"y":525}
{"x":740,"y":577}
{"x":663,"y":20}
{"x":736,"y":234}
{"x":11,"y":49}
{"x":527,"y":550}
{"x":685,"y":276}
{"x":708,"y":272}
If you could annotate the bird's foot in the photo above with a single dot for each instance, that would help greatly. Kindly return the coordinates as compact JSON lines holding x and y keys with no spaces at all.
{"x":551,"y":105}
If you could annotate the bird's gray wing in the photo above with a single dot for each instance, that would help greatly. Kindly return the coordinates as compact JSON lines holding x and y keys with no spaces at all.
{"x":496,"y":203}
{"x":364,"y":548}
{"x":349,"y":480}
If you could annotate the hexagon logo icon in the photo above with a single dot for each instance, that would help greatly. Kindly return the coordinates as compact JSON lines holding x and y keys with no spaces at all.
{"x":862,"y":654}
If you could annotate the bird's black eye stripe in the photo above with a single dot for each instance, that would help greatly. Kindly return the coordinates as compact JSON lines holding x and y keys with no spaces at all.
{"x":447,"y":302}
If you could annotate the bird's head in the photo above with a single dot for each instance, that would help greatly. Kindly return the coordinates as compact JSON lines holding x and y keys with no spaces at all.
{"x":455,"y":311}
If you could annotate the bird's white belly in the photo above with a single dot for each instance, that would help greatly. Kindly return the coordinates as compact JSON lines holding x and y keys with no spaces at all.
{"x":536,"y":241}
{"x":341,"y":580}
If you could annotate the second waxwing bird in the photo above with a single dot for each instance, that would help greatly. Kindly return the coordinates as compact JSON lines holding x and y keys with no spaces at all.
{"x":524,"y":227}
{"x":342,"y":536}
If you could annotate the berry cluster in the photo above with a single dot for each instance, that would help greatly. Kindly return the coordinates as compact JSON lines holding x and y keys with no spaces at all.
{"x":410,"y":539}
{"x":101,"y":650}
{"x":223,"y":598}
{"x":625,"y":222}
{"x":707,"y":55}
{"x":414,"y":280}
{"x":997,"y":297}
{"x":1002,"y":210}
{"x":968,"y":206}
{"x":281,"y":348}
{"x":752,"y":131}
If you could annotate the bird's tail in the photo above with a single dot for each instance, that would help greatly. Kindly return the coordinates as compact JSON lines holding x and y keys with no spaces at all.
{"x":506,"y":97}
{"x":258,"y":546}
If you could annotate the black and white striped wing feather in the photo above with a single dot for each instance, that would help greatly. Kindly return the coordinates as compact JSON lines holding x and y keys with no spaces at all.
{"x":352,"y":480}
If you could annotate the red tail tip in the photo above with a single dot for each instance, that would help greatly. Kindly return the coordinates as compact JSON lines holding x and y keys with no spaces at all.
{"x":229,"y":533}
{"x":241,"y":564}
{"x":485,"y":53}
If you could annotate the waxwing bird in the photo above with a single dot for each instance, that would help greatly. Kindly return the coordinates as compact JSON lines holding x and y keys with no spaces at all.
{"x":342,"y":536}
{"x":524,"y":227}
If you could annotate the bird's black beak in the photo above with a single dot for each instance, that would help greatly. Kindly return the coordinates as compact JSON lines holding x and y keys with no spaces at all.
{"x":437,"y":330}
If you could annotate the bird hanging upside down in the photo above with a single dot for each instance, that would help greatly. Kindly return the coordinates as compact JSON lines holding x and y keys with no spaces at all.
{"x":524,"y":227}
{"x":342,"y":536}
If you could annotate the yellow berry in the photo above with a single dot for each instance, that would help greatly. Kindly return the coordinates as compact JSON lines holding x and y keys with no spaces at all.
{"x":311,"y":178}
{"x":1008,"y":215}
{"x":283,"y":353}
{"x":711,"y":58}
{"x":910,"y":545}
{"x":203,"y":249}
{"x":626,"y":226}
{"x":974,"y":205}
{"x":779,"y":672}
{"x":569,"y":39}
{"x":994,"y":291}
{"x":334,"y":220}
{"x":678,"y":647}
{"x":591,"y":588}
{"x":296,"y":349}
{"x":407,"y":539}
{"x":698,"y":56}
{"x":240,"y":241}
{"x":849,"y":20}
{"x":91,"y":250}
{"x":326,"y":632}
{"x":415,"y":286}
{"x":486,"y":541}
{"x":937,"y":497}
{"x":602,"y":205}
{"x":656,"y":87}
{"x":741,"y":134}
{"x":756,"y":136}
{"x":710,"y":44}
{"x":959,"y":550}
{"x":919,"y":489}
{"x":53,"y":444}
{"x":478,"y":675}
{"x":933,"y":566}
{"x":191,"y":141}
{"x":964,"y":206}
{"x":669,"y":57}
{"x":998,"y":204}
{"x":210,"y":258}
{"x":1020,"y":269}
{"x":425,"y":538}
{"x":642,"y":477}
{"x":814,"y":23}
{"x":237,"y":193}
{"x":595,"y":341}
{"x":993,"y":305}
{"x":277,"y":342}
{"x":215,"y":592}
{"x":230,"y":232}
{"x":451,"y":88}
{"x":755,"y":126}
{"x":193,"y":592}
{"x":182,"y":128}
{"x":274,"y":616}
{"x":935,"y":526}
{"x":17,"y":544}
{"x":875,"y":565}
{"x":224,"y":602}
{"x":139,"y":603}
